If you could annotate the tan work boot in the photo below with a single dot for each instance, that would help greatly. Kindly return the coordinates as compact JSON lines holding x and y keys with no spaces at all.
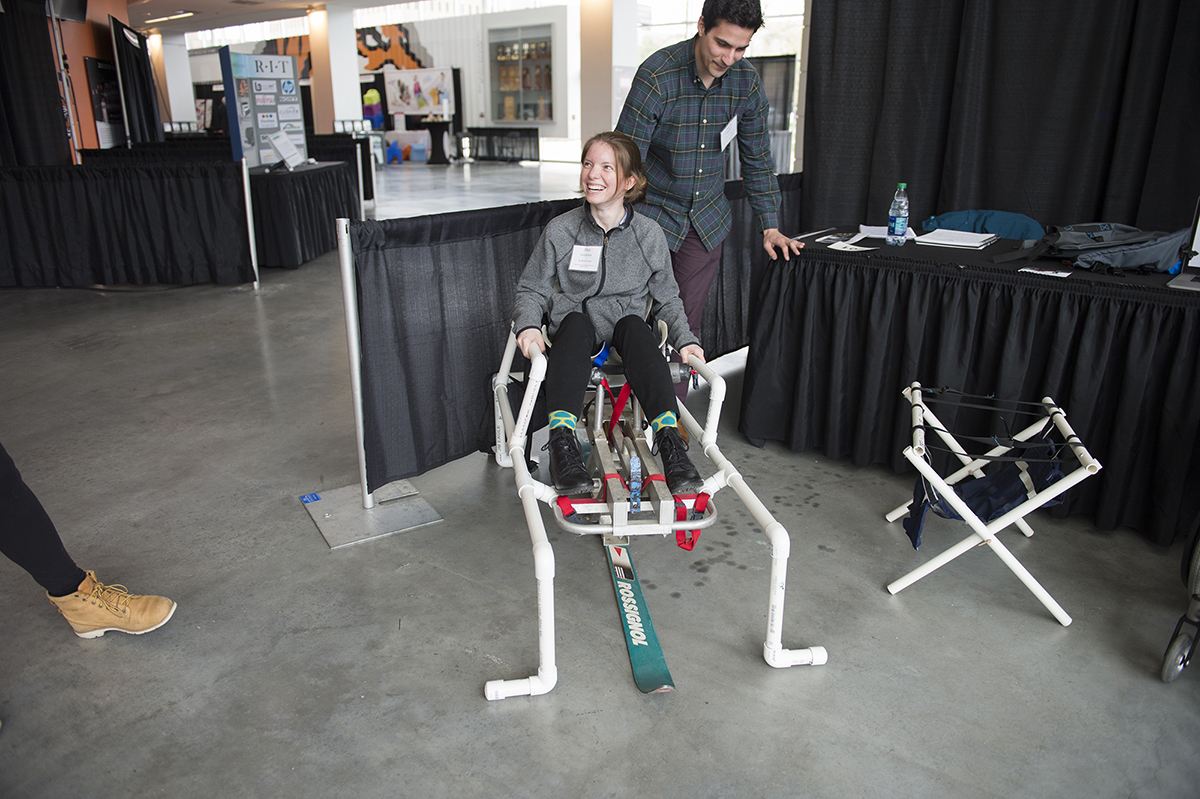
{"x":96,"y":608}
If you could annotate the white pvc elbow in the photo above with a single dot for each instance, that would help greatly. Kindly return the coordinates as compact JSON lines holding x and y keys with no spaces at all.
{"x":534,"y":685}
{"x":786,"y":658}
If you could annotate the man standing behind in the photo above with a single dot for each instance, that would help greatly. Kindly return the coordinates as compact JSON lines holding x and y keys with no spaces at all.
{"x":687,"y":102}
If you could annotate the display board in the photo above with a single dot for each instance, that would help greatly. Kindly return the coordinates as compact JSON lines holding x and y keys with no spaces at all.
{"x":105,"y":90}
{"x":263,"y":98}
{"x":420,"y":91}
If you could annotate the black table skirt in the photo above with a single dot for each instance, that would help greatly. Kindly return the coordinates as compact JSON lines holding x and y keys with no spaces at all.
{"x":294,"y":212}
{"x":178,"y":223}
{"x":835,"y":337}
{"x":344,"y":147}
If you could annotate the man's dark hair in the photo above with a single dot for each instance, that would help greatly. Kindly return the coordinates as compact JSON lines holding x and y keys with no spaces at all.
{"x":743,"y":13}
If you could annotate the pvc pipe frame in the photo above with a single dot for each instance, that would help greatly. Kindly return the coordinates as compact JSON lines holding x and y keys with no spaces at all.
{"x":971,"y":465}
{"x":543,"y":554}
{"x":986,"y":533}
{"x":532,"y":491}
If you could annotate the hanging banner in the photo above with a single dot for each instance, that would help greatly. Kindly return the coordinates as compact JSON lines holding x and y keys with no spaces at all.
{"x":138,"y":92}
{"x":420,"y":91}
{"x":263,"y":98}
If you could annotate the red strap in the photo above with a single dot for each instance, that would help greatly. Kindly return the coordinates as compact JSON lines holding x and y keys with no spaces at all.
{"x":604,"y":483}
{"x":686,"y":539}
{"x":567,"y":506}
{"x":618,"y":406}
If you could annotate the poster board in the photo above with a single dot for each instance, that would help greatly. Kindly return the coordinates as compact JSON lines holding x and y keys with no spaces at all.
{"x":105,"y":90}
{"x":263,"y":98}
{"x":420,"y":91}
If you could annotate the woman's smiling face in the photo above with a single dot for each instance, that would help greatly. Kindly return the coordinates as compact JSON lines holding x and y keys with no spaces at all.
{"x":600,"y":178}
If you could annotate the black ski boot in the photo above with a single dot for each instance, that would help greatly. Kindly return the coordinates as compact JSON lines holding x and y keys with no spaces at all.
{"x":566,"y":463}
{"x":682,"y":477}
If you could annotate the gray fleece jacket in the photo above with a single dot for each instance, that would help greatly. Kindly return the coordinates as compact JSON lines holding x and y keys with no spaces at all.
{"x":634,"y":262}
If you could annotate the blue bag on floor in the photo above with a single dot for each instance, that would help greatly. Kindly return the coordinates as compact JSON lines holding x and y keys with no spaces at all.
{"x":991,"y":496}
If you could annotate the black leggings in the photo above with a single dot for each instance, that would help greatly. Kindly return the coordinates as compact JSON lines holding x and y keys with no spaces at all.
{"x":28,"y":537}
{"x":569,"y":364}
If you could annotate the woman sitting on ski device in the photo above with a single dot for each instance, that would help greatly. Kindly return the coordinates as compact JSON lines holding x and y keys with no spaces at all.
{"x":606,"y":259}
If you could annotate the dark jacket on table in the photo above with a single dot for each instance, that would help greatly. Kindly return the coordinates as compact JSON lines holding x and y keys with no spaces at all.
{"x":634,"y":263}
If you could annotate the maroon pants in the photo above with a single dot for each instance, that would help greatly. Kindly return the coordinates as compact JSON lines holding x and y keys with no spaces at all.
{"x":694,"y":269}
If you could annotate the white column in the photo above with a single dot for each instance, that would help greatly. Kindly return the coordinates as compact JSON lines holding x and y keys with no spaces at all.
{"x":608,"y":51}
{"x":336,"y":93}
{"x":173,"y":74}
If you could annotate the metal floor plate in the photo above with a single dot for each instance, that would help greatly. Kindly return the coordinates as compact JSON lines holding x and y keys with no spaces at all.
{"x":343,"y":521}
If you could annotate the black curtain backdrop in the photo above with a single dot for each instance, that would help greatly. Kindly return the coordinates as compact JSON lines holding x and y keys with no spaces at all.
{"x":33,"y":130}
{"x":201,"y":149}
{"x":435,"y":298}
{"x":176,"y":223}
{"x":1063,"y":111}
{"x":726,"y":321}
{"x":142,"y":123}
{"x":435,"y":294}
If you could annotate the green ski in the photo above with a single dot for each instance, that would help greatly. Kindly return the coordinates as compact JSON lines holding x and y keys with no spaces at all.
{"x":650,"y":670}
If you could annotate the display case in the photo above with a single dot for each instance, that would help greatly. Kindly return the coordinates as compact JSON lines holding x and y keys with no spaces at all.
{"x":522,"y":82}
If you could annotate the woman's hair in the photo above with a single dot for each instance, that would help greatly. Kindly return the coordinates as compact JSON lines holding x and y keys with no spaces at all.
{"x":629,"y":161}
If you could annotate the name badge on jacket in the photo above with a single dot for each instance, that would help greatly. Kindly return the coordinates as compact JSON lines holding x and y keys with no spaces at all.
{"x":585,"y":259}
{"x":728,"y":132}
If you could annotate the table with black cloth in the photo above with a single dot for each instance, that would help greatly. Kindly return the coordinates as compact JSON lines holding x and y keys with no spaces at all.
{"x":181,"y":223}
{"x":835,"y":336}
{"x":346,"y":147}
{"x":294,"y":212}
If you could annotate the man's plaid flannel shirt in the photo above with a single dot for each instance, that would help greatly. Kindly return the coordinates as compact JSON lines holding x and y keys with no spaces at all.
{"x":677,"y":124}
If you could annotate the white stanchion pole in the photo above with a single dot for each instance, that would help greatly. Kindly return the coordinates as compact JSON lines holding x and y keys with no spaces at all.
{"x":250,"y":221}
{"x":354,"y":343}
{"x":362,"y":203}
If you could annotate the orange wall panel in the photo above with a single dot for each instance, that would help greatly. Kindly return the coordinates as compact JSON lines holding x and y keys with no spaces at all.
{"x":92,"y":38}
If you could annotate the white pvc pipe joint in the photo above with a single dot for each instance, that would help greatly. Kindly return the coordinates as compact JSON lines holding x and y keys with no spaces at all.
{"x":534,"y":685}
{"x":786,"y":658}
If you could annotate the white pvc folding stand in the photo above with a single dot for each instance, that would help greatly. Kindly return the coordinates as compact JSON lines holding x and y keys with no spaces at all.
{"x":611,"y":511}
{"x":338,"y":514}
{"x":986,"y":533}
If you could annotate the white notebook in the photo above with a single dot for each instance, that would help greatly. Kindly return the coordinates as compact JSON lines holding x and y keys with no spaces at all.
{"x":958,"y":238}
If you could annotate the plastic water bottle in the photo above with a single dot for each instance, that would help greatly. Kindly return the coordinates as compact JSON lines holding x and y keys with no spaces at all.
{"x":898,"y":216}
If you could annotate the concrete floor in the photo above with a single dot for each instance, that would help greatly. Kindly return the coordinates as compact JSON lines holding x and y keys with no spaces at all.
{"x":170,"y":434}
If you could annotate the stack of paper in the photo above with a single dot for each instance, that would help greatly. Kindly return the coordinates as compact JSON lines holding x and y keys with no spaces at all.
{"x":879,"y":232}
{"x":958,"y":238}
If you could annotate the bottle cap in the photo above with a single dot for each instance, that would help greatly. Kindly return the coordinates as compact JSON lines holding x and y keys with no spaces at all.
{"x":902,"y":185}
